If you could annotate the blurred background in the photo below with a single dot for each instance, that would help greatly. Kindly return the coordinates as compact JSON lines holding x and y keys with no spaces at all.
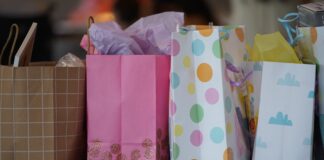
{"x":63,"y":22}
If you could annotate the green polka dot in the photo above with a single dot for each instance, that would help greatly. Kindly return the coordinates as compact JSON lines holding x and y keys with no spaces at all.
{"x":217,"y":49}
{"x":196,"y":113}
{"x":175,"y":151}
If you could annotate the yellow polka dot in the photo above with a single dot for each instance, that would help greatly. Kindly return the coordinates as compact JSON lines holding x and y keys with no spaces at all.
{"x":204,"y":72}
{"x":178,"y":130}
{"x":186,"y":62}
{"x":228,"y":154}
{"x":191,"y":88}
{"x":229,"y":128}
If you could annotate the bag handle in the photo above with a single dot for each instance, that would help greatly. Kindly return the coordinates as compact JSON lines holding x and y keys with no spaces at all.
{"x":90,"y":22}
{"x":14,"y":27}
{"x":286,"y":23}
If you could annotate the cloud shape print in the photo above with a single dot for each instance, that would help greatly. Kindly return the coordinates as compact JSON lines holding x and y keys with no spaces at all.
{"x":311,"y":94}
{"x":260,"y":144}
{"x":280,"y":119}
{"x":289,"y":80}
{"x":307,"y":142}
{"x":257,"y":66}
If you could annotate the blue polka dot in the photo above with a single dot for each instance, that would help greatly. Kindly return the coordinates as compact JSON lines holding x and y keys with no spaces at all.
{"x":175,"y":80}
{"x":198,"y":47}
{"x":217,"y":135}
{"x":228,"y":104}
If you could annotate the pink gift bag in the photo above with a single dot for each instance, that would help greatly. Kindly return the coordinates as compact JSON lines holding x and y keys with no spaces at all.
{"x":127,"y":98}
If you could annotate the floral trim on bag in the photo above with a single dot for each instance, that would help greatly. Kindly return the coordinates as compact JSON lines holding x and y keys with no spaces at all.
{"x":115,"y":152}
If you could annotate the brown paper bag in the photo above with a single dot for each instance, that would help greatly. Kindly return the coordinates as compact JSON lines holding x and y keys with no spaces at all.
{"x":42,"y":113}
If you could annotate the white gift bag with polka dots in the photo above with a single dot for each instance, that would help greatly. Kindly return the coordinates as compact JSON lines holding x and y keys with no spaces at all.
{"x":207,"y":115}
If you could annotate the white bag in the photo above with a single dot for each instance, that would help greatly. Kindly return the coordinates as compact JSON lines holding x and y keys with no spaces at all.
{"x":284,"y":102}
{"x":206,"y":114}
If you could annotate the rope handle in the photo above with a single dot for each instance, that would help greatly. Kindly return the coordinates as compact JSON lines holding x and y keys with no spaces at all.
{"x":14,"y":27}
{"x":286,"y":22}
{"x":90,"y":22}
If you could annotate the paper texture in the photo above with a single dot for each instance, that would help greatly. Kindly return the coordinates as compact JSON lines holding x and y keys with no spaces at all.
{"x":206,"y":113}
{"x":127,"y":110}
{"x":285,"y":110}
{"x":42,"y":113}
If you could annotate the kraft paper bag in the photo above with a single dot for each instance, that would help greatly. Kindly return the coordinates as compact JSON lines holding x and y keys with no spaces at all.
{"x":42,"y":108}
{"x":207,"y":113}
{"x":127,"y":98}
{"x":42,"y":113}
{"x":282,"y":100}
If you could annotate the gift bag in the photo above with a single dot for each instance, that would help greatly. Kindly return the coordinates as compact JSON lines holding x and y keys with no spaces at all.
{"x":42,"y":112}
{"x":128,"y":88}
{"x":285,"y":110}
{"x":127,"y":98}
{"x":207,"y":114}
{"x":282,"y":97}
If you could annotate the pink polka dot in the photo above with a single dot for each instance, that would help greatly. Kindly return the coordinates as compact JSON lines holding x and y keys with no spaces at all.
{"x":212,"y":96}
{"x":175,"y":47}
{"x":173,"y":107}
{"x":196,"y":138}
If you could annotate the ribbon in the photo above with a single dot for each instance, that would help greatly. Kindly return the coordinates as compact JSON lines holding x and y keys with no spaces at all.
{"x":286,"y":23}
{"x":232,"y":68}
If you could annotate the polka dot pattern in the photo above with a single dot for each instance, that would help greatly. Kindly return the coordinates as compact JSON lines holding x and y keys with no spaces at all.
{"x":204,"y":72}
{"x":175,"y":80}
{"x":186,"y":62}
{"x":191,"y":88}
{"x":198,"y":47}
{"x":178,"y":130}
{"x":173,"y":107}
{"x":229,"y":128}
{"x":212,"y":96}
{"x":228,"y":154}
{"x":196,"y":138}
{"x":217,"y":49}
{"x":217,"y":135}
{"x":196,"y":76}
{"x":175,"y":151}
{"x":196,"y":113}
{"x":206,"y":32}
{"x":175,"y":47}
{"x":240,"y":34}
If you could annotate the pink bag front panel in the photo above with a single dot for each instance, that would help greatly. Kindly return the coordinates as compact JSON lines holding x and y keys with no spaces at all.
{"x":127,"y":106}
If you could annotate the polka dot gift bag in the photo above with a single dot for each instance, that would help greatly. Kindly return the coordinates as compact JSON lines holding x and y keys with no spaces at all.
{"x":207,"y":115}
